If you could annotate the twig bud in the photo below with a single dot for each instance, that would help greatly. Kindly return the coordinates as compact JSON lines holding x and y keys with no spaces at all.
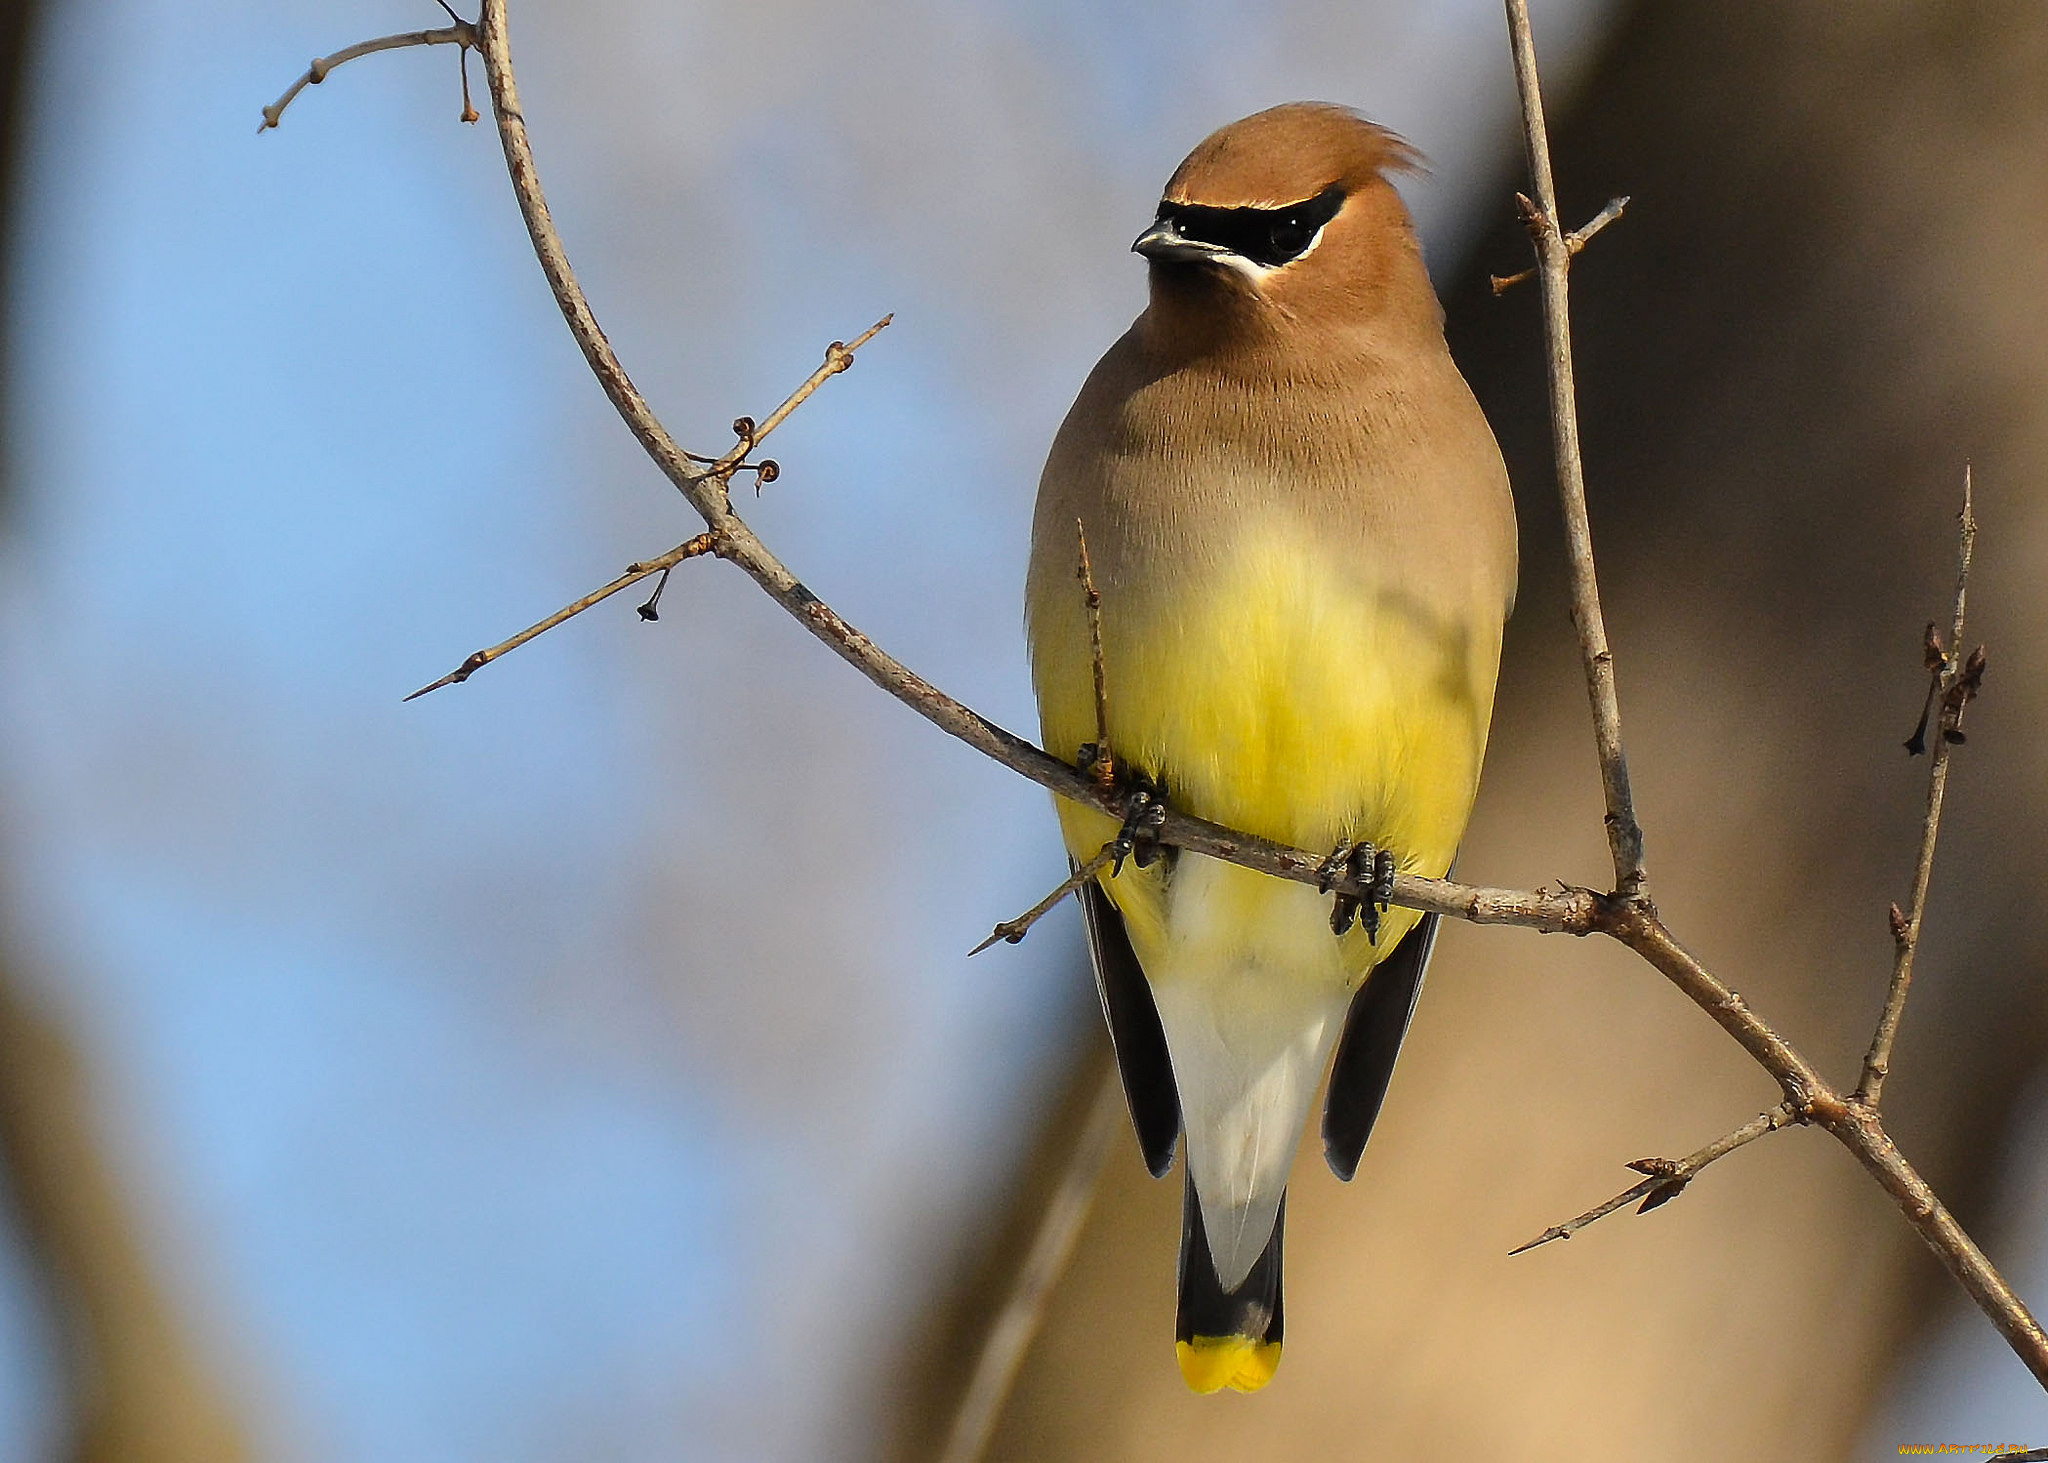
{"x":1932,"y":656}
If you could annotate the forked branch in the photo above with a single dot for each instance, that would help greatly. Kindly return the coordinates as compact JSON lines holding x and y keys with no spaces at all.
{"x":1666,"y":1178}
{"x":461,"y":33}
{"x":1574,"y":241}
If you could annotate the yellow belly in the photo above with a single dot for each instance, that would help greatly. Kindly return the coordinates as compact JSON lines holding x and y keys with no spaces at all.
{"x":1289,"y":696}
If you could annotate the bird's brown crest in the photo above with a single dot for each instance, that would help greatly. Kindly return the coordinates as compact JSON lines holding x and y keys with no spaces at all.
{"x":1287,"y":153}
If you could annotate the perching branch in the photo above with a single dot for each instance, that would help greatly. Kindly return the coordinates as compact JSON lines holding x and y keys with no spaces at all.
{"x":1625,"y":915}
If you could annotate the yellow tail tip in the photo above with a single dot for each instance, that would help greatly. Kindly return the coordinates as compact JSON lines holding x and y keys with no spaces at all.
{"x":1211,"y":1363}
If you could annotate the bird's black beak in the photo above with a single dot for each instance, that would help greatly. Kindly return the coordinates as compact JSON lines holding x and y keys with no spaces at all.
{"x":1163,"y":243}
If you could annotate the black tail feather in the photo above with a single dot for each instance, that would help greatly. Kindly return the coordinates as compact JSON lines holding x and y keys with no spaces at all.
{"x":1373,"y":1030}
{"x":1134,"y":1030}
{"x":1245,"y":1323}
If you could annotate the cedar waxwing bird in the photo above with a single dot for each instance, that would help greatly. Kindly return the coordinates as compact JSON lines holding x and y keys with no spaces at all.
{"x":1299,"y":527}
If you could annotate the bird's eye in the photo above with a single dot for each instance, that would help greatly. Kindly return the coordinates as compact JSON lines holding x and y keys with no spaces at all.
{"x":1289,"y":237}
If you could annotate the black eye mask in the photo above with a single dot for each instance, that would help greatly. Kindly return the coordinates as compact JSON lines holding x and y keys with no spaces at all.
{"x":1268,"y":236}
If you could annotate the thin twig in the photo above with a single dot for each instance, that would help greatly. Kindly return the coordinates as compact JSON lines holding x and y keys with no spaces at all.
{"x":1667,"y":1177}
{"x":469,"y":111}
{"x":1010,"y":931}
{"x":1954,"y":684}
{"x":703,"y":543}
{"x":838,"y":357}
{"x":1574,"y":241}
{"x":1009,"y":1338}
{"x":1966,"y":546}
{"x":1104,"y":761}
{"x":1624,"y":833}
{"x":462,"y":34}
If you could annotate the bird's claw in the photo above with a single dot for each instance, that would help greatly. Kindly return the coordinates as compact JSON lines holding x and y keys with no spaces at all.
{"x":1144,"y":815}
{"x":1372,"y":867}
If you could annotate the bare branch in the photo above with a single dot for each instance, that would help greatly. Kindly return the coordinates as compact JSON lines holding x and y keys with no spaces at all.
{"x":703,"y":543}
{"x":1010,"y":931}
{"x":1855,"y":1126}
{"x":1009,"y":1339}
{"x":1955,"y":682}
{"x":1628,"y":915}
{"x":1553,"y":258}
{"x":1668,"y":1177}
{"x":1574,"y":241}
{"x":462,"y":34}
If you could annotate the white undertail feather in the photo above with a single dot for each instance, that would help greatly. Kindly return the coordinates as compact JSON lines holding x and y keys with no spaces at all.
{"x":1252,"y":993}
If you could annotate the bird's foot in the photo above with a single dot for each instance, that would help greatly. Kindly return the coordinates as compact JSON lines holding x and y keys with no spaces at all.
{"x":1144,"y":805}
{"x":1372,"y":867}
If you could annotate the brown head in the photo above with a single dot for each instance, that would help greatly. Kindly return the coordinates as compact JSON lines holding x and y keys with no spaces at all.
{"x":1284,"y":221}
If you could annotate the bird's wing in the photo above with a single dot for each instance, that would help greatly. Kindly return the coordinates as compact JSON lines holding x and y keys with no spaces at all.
{"x":1134,"y":1030}
{"x":1373,"y":1029}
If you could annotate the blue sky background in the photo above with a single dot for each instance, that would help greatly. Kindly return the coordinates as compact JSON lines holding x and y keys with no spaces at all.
{"x":582,"y":1059}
